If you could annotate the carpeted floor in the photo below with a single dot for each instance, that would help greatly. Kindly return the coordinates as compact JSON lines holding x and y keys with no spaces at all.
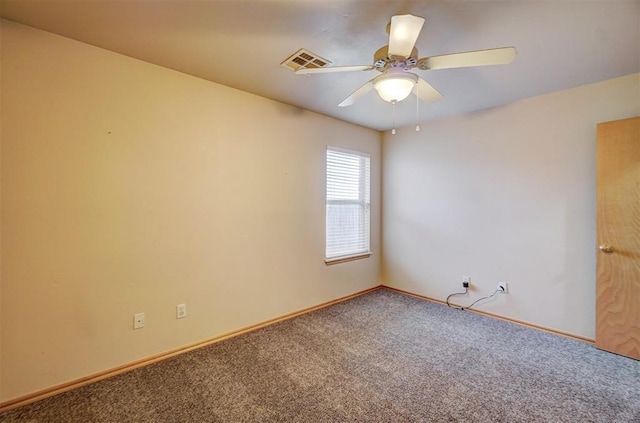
{"x":381,"y":357}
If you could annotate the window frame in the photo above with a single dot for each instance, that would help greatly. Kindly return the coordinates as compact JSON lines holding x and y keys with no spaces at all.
{"x":363,"y":201}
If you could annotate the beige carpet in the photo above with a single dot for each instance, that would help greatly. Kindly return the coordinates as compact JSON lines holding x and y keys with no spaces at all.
{"x":381,"y":357}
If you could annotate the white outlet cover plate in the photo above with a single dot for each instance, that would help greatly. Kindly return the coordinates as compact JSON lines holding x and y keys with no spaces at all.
{"x":181,"y":311}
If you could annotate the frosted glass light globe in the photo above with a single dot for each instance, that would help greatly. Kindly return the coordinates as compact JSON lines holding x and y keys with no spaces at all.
{"x":395,"y":86}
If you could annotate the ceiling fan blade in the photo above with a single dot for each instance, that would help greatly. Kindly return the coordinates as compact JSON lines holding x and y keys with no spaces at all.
{"x":426,"y":92}
{"x":305,"y":71}
{"x":357,"y":94}
{"x":403,"y":34}
{"x":494,"y":56}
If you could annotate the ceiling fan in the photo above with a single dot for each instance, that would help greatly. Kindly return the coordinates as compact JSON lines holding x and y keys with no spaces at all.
{"x":396,"y":60}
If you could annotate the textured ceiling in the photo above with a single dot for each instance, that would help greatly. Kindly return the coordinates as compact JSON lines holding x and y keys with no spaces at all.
{"x":240,"y":43}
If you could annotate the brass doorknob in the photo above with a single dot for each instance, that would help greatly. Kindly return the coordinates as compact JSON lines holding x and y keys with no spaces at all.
{"x":606,"y":248}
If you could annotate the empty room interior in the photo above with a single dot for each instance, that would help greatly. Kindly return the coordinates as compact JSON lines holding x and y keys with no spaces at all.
{"x":177,"y":186}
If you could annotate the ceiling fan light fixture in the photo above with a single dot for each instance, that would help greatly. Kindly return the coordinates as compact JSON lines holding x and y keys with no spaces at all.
{"x":395,"y":86}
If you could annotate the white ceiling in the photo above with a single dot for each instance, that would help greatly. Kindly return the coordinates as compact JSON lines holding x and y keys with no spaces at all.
{"x":241,"y":43}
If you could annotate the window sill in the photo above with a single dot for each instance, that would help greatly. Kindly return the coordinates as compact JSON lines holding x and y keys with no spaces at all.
{"x":344,"y":259}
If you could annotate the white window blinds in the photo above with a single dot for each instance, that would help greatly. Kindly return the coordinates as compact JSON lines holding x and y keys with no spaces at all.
{"x":348,"y":203}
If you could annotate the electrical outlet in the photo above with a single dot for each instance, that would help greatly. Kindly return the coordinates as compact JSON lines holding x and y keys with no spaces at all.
{"x":504,"y":287}
{"x":181,"y":311}
{"x":466,"y":281}
{"x":138,"y":320}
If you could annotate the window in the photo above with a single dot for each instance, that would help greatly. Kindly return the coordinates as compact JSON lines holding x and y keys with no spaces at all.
{"x":348,"y":205}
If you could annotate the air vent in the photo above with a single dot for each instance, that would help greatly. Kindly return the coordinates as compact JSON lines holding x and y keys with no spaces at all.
{"x":304,"y":59}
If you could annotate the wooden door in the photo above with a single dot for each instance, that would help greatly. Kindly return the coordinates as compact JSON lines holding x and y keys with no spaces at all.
{"x":618,"y":255}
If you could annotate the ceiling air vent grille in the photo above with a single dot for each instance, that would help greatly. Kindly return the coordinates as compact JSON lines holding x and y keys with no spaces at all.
{"x":304,"y":59}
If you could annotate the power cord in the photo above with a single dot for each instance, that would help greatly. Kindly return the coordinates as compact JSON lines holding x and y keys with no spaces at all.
{"x":500,"y":290}
{"x":454,"y":294}
{"x":497,"y":291}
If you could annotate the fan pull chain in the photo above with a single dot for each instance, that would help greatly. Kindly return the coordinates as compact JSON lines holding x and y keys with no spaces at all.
{"x":417,"y":111}
{"x":393,"y":105}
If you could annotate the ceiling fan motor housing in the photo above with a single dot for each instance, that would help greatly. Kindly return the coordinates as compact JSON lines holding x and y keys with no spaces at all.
{"x":382,"y":61}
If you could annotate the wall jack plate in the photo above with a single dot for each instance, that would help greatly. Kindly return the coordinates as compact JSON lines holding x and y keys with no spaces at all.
{"x":504,"y":287}
{"x":138,"y":320}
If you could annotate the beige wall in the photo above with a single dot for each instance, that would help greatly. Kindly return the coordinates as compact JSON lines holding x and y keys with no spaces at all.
{"x":129,"y":188}
{"x":506,"y":194}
